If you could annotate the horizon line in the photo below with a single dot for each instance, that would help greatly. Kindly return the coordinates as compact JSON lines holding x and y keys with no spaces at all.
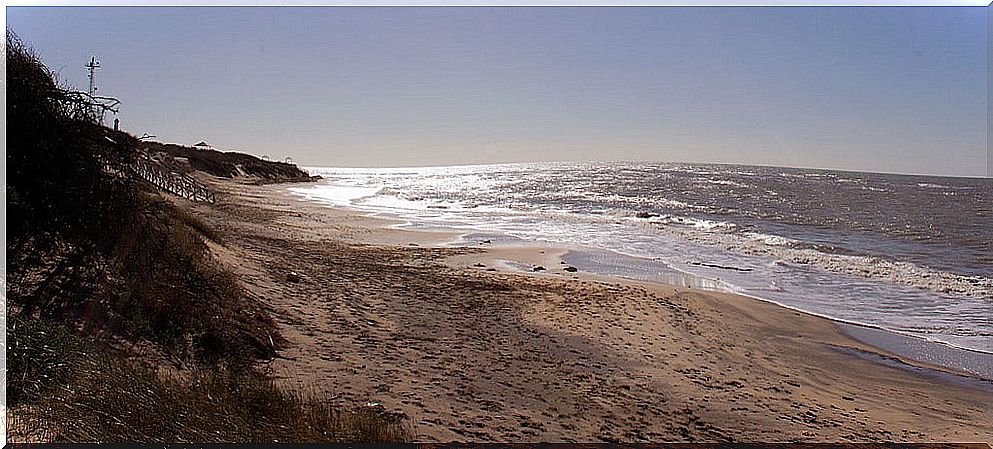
{"x":988,"y":176}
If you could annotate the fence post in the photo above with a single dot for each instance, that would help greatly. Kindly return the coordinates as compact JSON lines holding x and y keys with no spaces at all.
{"x":178,"y":184}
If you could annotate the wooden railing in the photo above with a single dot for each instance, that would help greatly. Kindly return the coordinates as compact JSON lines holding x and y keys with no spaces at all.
{"x":178,"y":184}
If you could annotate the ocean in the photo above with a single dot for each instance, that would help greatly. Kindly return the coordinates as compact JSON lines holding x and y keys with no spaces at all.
{"x":903,"y":253}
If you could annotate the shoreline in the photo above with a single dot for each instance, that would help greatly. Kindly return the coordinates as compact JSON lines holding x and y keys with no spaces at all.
{"x":393,"y":317}
{"x":911,"y":351}
{"x":877,"y":341}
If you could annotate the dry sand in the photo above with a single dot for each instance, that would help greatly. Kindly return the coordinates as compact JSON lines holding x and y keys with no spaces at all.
{"x":470,"y":354}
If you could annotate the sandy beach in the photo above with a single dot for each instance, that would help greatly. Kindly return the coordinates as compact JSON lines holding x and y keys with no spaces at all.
{"x":472,"y":350}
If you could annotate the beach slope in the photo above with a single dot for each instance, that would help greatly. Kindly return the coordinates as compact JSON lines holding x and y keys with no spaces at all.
{"x":472,"y":352}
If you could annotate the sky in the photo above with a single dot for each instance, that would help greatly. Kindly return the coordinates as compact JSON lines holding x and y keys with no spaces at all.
{"x":871,"y":89}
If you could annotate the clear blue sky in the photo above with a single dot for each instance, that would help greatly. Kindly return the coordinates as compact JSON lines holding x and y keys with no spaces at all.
{"x":878,"y":89}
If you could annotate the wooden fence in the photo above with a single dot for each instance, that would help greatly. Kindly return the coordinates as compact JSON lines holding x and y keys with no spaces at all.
{"x":175,"y":183}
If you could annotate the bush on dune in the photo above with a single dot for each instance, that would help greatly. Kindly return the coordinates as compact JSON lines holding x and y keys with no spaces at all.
{"x":230,"y":164}
{"x":94,"y":251}
{"x":100,"y":248}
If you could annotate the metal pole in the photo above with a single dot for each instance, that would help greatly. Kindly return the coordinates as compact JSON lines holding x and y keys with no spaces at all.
{"x":92,"y":67}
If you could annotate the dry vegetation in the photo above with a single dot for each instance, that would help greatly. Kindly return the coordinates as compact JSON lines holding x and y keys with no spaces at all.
{"x":98,"y":261}
{"x":231,"y":164}
{"x":68,"y":389}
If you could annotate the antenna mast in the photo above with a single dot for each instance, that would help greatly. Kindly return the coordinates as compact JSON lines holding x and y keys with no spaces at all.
{"x":97,"y":105}
{"x":92,"y":68}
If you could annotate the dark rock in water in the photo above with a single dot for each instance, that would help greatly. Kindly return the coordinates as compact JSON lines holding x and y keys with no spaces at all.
{"x":571,"y":269}
{"x":293,"y":277}
{"x":491,"y":269}
{"x":723,"y":267}
{"x":485,"y":242}
{"x":412,"y":244}
{"x":538,"y":268}
{"x":645,"y":215}
{"x":478,"y":265}
{"x":561,"y":262}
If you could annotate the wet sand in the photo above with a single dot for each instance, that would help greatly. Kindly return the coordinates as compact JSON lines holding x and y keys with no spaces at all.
{"x":473,"y":350}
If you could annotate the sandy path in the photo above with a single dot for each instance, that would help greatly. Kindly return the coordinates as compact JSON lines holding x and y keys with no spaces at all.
{"x":477,"y":355}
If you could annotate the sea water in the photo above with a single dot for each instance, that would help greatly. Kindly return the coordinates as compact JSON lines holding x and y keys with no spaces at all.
{"x":902,"y":253}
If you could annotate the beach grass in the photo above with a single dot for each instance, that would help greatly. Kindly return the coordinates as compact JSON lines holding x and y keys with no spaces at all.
{"x":65,"y":388}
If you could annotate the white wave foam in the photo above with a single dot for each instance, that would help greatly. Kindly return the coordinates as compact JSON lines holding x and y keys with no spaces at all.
{"x":896,"y":272}
{"x":929,"y":185}
{"x":769,"y":239}
{"x":726,"y":182}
